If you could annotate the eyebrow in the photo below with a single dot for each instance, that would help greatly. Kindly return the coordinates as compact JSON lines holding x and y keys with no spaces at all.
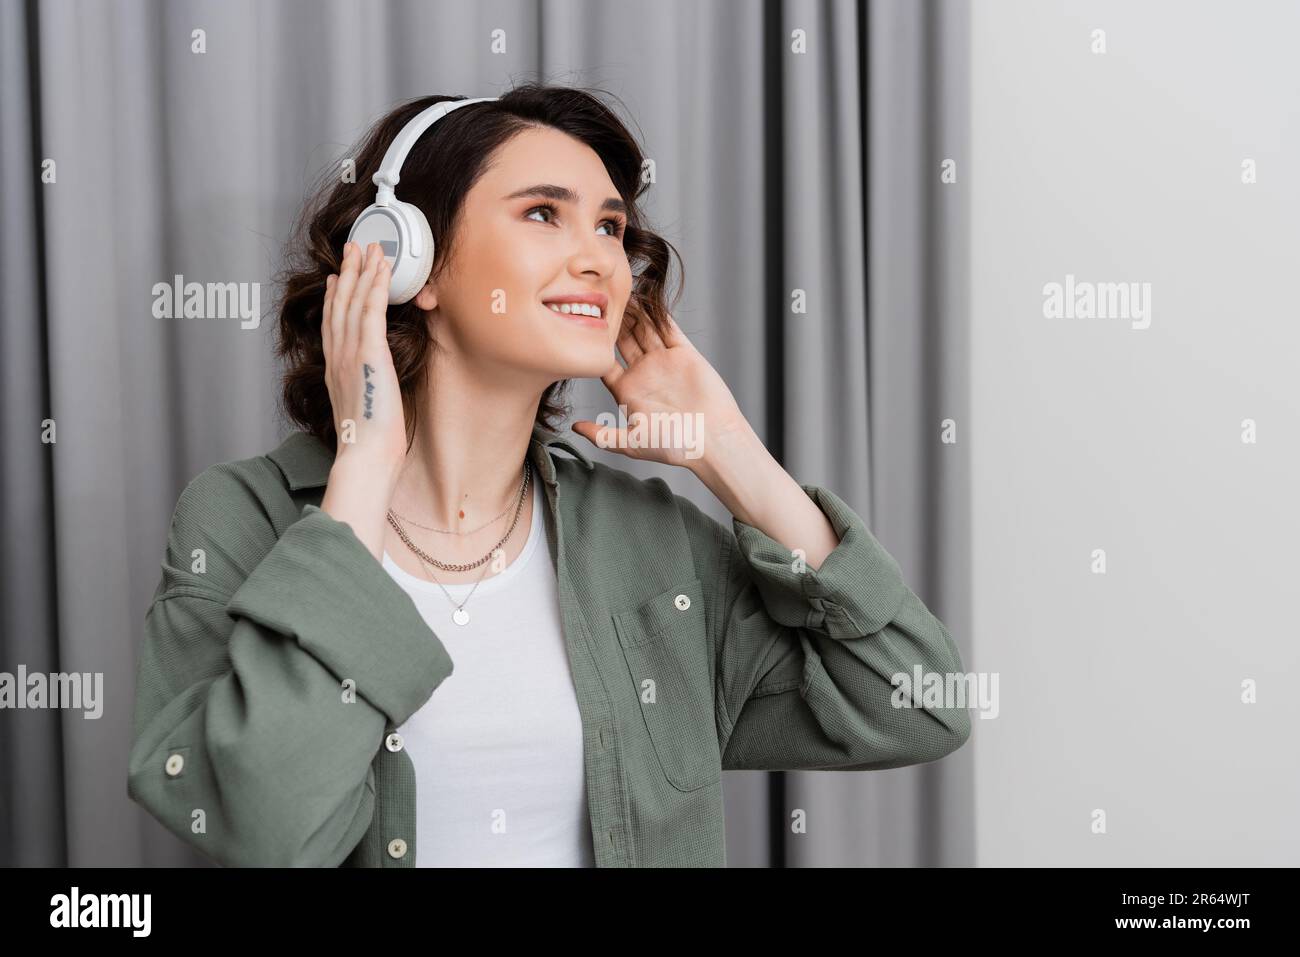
{"x":563,"y":194}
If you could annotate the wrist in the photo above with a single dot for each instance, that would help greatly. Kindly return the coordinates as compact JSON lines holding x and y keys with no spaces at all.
{"x":364,"y":474}
{"x":734,"y":464}
{"x":724,"y":449}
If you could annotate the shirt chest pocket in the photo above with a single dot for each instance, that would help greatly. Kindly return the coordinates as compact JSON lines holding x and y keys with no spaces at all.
{"x":665,"y":644}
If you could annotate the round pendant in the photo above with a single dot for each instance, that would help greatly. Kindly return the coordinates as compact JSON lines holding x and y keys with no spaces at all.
{"x":460,"y":616}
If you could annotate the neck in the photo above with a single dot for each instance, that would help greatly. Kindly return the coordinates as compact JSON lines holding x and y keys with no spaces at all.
{"x":468,"y":451}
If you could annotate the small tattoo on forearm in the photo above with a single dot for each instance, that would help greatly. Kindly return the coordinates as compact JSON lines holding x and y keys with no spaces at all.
{"x":370,"y":390}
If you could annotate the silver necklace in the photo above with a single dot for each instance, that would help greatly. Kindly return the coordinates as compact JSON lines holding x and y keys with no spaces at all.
{"x":460,"y":616}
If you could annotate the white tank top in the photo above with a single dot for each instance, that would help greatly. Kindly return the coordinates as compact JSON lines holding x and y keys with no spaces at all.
{"x":497,"y":749}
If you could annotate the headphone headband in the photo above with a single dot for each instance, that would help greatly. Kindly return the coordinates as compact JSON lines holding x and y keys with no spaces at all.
{"x":390,"y":170}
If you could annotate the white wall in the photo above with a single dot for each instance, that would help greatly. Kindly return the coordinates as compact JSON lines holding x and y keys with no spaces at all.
{"x":1122,"y":691}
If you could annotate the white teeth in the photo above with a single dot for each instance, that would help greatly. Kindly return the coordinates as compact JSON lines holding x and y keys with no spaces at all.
{"x":581,"y":308}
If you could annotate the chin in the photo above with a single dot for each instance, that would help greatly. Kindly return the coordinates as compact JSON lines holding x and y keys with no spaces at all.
{"x":586,"y":363}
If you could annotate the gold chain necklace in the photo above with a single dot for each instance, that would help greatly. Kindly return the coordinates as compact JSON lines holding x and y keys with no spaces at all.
{"x":464,"y":567}
{"x":451,"y":531}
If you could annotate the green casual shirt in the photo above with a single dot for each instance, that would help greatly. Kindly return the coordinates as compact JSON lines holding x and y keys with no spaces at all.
{"x":280,"y":657}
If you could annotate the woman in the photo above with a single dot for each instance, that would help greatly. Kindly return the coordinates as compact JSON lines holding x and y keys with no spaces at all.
{"x":359,"y":646}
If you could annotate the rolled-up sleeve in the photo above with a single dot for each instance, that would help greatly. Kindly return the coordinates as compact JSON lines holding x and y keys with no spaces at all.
{"x":856,"y":590}
{"x":321,"y":587}
{"x":265,"y":681}
{"x":808,"y":659}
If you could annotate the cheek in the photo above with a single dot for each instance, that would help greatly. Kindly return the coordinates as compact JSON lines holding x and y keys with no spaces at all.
{"x":624,"y":286}
{"x":620,"y":285}
{"x":501,"y":262}
{"x":501,"y":289}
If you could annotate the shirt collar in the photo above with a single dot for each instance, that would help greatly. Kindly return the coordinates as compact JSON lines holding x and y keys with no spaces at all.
{"x":305,"y":460}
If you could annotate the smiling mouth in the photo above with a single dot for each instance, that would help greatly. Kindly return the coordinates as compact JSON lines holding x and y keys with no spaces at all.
{"x":576,"y":310}
{"x":583,"y":313}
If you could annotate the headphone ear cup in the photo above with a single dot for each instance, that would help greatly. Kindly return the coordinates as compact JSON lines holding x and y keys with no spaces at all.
{"x":410,"y":275}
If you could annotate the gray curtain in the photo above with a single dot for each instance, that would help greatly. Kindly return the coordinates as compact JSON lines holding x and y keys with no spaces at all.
{"x":776,"y":171}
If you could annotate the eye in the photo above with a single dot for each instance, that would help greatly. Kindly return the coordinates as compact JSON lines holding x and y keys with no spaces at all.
{"x":549,"y":207}
{"x":617,"y":226}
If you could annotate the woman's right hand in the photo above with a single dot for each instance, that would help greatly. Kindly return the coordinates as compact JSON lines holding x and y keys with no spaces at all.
{"x":364,"y":395}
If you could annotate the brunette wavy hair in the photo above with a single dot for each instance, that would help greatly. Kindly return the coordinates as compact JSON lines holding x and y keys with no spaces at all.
{"x":441,"y":168}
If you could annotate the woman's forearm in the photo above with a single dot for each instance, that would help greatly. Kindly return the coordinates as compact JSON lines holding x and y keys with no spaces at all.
{"x":358,"y":495}
{"x":744,"y":476}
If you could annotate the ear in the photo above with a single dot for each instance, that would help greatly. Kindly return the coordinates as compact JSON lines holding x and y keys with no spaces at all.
{"x":426,"y":299}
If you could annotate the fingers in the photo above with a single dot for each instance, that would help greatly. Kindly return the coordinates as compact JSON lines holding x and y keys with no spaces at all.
{"x":347,"y":296}
{"x":325,"y":320}
{"x":343,"y":287}
{"x":374,"y":312}
{"x":611,"y":377}
{"x":676,"y":338}
{"x":628,"y":347}
{"x":646,"y":336}
{"x":360,"y":293}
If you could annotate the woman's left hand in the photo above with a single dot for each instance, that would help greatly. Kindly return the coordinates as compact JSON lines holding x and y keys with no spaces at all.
{"x":674,"y":401}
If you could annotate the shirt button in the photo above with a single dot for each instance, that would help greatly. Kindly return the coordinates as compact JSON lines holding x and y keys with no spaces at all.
{"x":174,"y":764}
{"x":393,"y":742}
{"x":397,"y":848}
{"x":682,"y":602}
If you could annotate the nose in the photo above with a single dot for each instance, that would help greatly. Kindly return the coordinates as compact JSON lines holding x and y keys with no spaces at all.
{"x":593,"y":255}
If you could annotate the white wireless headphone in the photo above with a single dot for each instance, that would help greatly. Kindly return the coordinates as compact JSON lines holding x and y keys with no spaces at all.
{"x":400,"y":228}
